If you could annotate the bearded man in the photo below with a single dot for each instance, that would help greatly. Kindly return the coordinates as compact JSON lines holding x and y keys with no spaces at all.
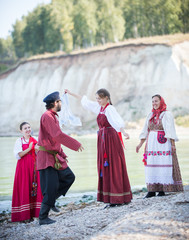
{"x":55,"y":175}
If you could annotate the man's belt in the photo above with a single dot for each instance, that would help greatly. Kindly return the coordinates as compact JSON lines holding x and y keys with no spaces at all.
{"x":57,"y":164}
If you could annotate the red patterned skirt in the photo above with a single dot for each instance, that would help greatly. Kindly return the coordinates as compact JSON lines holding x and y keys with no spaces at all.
{"x":113,"y":181}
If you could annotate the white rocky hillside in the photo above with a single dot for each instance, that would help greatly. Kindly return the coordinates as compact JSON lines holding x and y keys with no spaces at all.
{"x":132,"y":73}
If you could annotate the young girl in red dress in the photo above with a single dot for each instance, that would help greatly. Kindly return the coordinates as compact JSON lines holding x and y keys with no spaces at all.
{"x":113,"y":182}
{"x":27,"y":196}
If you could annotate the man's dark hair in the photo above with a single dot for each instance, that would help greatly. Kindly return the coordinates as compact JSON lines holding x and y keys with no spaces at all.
{"x":49,"y":105}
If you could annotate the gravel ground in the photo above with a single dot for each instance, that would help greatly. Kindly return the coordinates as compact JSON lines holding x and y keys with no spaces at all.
{"x":155,"y":218}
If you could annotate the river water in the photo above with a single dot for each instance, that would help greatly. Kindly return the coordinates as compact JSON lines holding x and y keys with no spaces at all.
{"x":83,"y":164}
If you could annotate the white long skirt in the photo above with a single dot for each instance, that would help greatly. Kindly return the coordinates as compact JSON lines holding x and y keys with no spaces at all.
{"x":159,"y":168}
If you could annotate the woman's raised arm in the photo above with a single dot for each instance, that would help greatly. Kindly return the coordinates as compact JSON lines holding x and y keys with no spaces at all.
{"x":73,"y":94}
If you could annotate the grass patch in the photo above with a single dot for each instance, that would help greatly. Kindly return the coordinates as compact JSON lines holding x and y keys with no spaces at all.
{"x":182,"y":121}
{"x":3,"y":67}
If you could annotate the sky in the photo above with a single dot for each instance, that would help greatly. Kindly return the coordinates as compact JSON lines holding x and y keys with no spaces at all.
{"x":11,"y":10}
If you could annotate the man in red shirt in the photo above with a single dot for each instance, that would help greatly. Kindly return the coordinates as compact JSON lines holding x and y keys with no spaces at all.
{"x":55,"y":175}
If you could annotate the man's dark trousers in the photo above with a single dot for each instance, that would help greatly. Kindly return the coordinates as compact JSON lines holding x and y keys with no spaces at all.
{"x":55,"y":183}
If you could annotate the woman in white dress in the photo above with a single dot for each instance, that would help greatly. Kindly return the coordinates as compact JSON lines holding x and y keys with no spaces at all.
{"x":162,"y":172}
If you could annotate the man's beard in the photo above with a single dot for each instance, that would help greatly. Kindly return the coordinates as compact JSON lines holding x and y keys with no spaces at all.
{"x":58,"y":109}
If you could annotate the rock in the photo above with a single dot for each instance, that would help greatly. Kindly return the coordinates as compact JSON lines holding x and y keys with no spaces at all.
{"x":132,"y":74}
{"x":159,"y":219}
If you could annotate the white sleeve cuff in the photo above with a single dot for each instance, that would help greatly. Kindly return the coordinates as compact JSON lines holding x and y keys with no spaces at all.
{"x":90,"y":105}
{"x":18,"y":148}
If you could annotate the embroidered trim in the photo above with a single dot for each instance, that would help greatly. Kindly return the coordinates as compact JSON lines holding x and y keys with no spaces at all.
{"x":177,"y":182}
{"x":149,"y":165}
{"x":158,"y":153}
{"x":26,"y":207}
{"x":165,"y":185}
{"x":114,"y":194}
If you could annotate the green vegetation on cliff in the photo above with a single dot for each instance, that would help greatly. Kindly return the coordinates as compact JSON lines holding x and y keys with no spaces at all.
{"x":69,"y":25}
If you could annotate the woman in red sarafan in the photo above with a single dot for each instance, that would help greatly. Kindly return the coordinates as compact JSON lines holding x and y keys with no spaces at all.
{"x":113,"y":182}
{"x":27,"y":196}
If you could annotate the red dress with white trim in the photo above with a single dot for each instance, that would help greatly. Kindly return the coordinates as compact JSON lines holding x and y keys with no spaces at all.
{"x":113,"y":181}
{"x":27,"y":196}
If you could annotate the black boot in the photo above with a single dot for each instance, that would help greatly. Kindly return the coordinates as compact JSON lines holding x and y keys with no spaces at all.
{"x":150,"y":194}
{"x":160,"y":194}
{"x":115,"y":205}
{"x":55,"y":209}
{"x":43,"y":215}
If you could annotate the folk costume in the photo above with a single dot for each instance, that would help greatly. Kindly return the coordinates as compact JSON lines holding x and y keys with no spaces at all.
{"x":55,"y":175}
{"x":162,"y":172}
{"x":27,"y":196}
{"x":113,"y":181}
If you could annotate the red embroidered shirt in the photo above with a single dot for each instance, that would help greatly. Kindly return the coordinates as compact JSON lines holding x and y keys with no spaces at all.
{"x":51,"y":137}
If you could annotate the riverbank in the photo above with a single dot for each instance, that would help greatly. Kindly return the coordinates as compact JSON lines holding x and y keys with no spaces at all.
{"x":90,"y":129}
{"x":155,"y":218}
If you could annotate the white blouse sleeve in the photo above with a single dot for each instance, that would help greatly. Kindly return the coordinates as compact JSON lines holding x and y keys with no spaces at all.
{"x":144,"y":133}
{"x":169,"y":126}
{"x":114,"y":118}
{"x":90,"y":105}
{"x":18,"y":148}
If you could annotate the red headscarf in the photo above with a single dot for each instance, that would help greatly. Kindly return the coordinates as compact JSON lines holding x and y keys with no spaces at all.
{"x":157,"y":112}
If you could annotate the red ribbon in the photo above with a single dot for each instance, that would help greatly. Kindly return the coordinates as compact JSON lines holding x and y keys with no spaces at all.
{"x":34,"y":183}
{"x":121,"y":139}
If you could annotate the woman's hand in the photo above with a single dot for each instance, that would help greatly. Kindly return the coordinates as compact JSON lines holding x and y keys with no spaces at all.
{"x":30,"y":146}
{"x":126,"y":135}
{"x":72,"y":94}
{"x":138,"y":147}
{"x":23,"y":153}
{"x":67,"y":91}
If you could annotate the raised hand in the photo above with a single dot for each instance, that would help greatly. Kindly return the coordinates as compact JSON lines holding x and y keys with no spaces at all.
{"x":72,"y":94}
{"x":31,"y":145}
{"x":67,"y":91}
{"x":126,"y":135}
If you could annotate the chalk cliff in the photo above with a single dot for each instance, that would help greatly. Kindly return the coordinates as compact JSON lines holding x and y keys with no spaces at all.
{"x":132,"y":74}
